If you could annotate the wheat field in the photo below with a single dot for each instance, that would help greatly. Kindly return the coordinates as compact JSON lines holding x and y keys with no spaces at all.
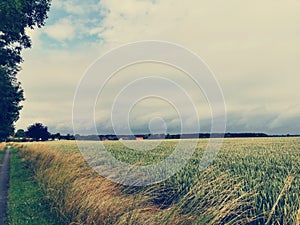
{"x":251,"y":181}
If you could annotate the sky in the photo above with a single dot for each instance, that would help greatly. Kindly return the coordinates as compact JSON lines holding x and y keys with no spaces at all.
{"x":252,"y":49}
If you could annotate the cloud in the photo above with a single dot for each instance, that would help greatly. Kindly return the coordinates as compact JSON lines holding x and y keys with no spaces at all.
{"x":72,"y":24}
{"x":287,"y":117}
{"x":75,"y":6}
{"x":70,"y":7}
{"x":252,"y":48}
{"x":62,"y":30}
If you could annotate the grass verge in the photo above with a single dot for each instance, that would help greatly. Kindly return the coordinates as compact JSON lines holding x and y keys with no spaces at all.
{"x":27,"y":204}
{"x":2,"y":145}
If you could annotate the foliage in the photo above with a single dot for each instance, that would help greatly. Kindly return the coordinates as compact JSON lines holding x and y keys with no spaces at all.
{"x":20,"y":134}
{"x":38,"y":132}
{"x":11,"y":95}
{"x":15,"y":17}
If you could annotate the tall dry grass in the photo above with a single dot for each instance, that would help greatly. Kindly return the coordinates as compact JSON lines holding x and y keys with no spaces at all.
{"x":2,"y":145}
{"x":81,"y":196}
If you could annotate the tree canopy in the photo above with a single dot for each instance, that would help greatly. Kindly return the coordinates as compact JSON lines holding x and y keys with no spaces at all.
{"x":20,"y":134}
{"x":10,"y":96}
{"x":15,"y":17}
{"x":38,"y":132}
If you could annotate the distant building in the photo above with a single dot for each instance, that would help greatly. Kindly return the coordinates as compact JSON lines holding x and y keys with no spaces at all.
{"x":139,"y":138}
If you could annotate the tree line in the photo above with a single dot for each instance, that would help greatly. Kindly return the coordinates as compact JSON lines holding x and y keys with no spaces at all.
{"x":38,"y":132}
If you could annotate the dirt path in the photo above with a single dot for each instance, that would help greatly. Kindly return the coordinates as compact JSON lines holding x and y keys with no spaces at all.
{"x":4,"y":182}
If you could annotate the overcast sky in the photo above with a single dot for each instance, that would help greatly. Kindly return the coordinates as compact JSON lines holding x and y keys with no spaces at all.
{"x":252,"y":47}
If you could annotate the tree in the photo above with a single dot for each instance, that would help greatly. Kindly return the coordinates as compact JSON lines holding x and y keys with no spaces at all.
{"x":38,"y":132}
{"x":20,"y":134}
{"x":11,"y":95}
{"x":56,"y":136}
{"x":15,"y":17}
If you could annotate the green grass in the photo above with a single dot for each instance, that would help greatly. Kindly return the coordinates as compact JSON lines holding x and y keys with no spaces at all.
{"x":27,"y":204}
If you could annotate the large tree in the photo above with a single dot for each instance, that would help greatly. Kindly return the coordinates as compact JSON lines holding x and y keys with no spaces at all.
{"x":38,"y":132}
{"x":15,"y":17}
{"x":10,"y":96}
{"x":20,"y":134}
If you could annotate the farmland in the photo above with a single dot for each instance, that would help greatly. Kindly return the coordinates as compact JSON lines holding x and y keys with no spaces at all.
{"x":251,"y":181}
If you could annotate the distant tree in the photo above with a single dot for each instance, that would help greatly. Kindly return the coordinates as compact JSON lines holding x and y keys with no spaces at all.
{"x":56,"y":136}
{"x":38,"y":132}
{"x":20,"y":134}
{"x":68,"y":137}
{"x":15,"y":17}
